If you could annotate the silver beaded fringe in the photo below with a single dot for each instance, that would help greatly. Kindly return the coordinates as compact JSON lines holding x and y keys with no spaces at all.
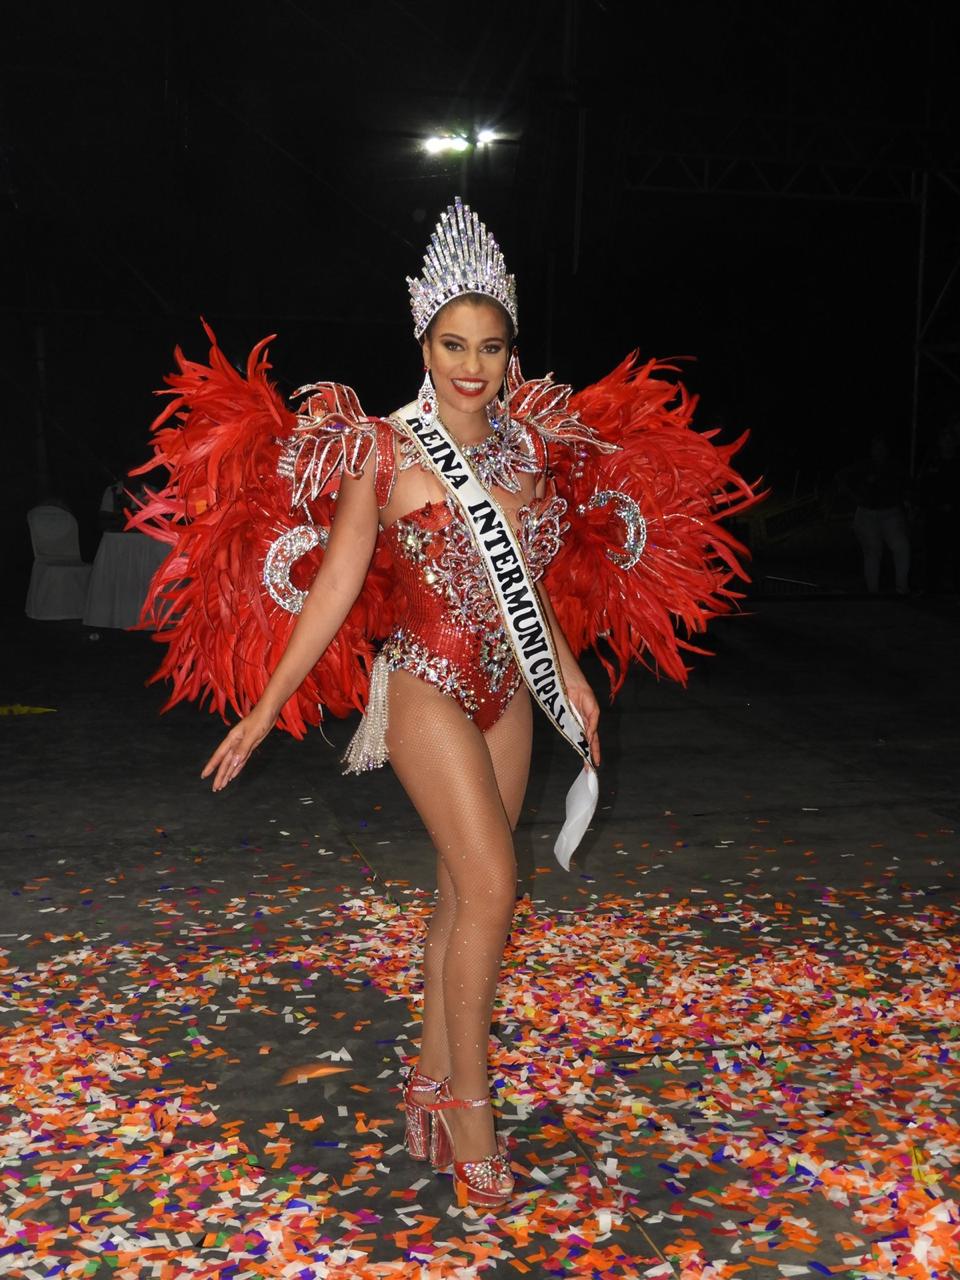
{"x":368,"y":746}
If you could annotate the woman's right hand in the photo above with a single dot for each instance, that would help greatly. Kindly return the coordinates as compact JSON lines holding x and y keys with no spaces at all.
{"x":236,"y":748}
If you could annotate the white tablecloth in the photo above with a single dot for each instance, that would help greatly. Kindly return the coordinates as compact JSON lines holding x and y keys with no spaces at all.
{"x":122,"y":570}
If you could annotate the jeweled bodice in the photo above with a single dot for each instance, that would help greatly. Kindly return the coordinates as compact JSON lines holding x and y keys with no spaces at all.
{"x":499,"y":460}
{"x":452,"y":633}
{"x":437,"y":560}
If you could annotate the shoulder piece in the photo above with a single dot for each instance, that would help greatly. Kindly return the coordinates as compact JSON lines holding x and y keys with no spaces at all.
{"x":544,"y":405}
{"x":242,"y":554}
{"x":408,"y":456}
{"x":648,"y":561}
{"x":332,"y":435}
{"x":386,"y":434}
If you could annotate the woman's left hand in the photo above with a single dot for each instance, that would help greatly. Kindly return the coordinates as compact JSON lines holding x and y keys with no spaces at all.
{"x":582,"y":697}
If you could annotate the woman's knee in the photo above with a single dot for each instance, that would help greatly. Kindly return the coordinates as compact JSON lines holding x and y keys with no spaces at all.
{"x":492,"y":899}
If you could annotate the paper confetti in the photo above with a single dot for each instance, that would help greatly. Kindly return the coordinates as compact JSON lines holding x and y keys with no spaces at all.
{"x":710,"y":1079}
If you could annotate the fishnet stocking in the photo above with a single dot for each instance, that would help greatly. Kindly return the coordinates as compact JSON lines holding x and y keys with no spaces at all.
{"x":468,"y":789}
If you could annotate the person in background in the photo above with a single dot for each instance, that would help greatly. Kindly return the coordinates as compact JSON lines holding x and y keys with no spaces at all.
{"x":111,"y":516}
{"x":120,"y":499}
{"x":878,"y":486}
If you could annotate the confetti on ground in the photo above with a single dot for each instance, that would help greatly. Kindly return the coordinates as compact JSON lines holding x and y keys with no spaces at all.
{"x":757,"y":1086}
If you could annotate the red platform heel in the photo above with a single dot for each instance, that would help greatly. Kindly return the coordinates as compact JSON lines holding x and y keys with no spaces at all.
{"x":425,"y":1139}
{"x":482,"y":1184}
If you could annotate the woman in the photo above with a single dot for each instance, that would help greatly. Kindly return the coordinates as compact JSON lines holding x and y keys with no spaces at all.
{"x":465,"y":774}
{"x":878,"y":485}
{"x":452,"y":503}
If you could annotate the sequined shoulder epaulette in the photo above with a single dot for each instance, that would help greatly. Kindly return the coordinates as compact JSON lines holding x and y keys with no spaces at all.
{"x":544,"y":405}
{"x":332,"y":437}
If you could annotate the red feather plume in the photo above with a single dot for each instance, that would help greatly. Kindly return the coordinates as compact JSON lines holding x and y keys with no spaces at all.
{"x":684,"y":485}
{"x":223,"y":506}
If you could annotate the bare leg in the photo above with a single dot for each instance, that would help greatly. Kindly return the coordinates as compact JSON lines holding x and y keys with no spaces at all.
{"x":445,"y":765}
{"x":434,"y":1052}
{"x":508,"y":742}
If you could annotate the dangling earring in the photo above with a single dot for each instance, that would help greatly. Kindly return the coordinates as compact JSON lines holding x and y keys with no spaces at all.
{"x":505,"y":406}
{"x":498,"y":410}
{"x":427,"y":399}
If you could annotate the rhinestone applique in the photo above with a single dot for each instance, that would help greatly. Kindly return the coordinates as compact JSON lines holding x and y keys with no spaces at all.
{"x":413,"y":541}
{"x":408,"y":454}
{"x":491,"y":1175}
{"x":282,"y":554}
{"x":402,"y":653}
{"x":502,"y":457}
{"x":459,"y":576}
{"x":540,"y":533}
{"x":496,"y":657}
{"x":624,"y":506}
{"x":499,"y":459}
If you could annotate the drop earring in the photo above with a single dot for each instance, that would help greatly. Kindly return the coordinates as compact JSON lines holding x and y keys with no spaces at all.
{"x":427,"y":399}
{"x":503,"y":409}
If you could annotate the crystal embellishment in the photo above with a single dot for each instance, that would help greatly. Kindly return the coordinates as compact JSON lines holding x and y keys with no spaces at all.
{"x":628,"y":511}
{"x":281,"y":555}
{"x":462,"y":257}
{"x":413,"y":542}
{"x":496,"y":657}
{"x":540,"y":532}
{"x":461,"y":579}
{"x":401,"y":653}
{"x":501,"y":457}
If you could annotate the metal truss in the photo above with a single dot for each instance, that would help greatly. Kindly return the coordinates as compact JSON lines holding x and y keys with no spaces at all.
{"x":784,"y":157}
{"x":789,"y":159}
{"x":730,"y":175}
{"x":936,"y":397}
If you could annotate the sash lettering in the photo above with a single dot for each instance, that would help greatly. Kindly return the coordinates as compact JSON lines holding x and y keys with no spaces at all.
{"x":520,"y":607}
{"x":520,"y":610}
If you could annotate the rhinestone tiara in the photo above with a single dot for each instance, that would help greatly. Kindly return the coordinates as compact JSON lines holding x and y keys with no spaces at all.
{"x":462,"y":257}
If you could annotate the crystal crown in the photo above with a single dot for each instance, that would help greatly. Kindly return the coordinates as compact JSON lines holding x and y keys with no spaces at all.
{"x":462,"y":257}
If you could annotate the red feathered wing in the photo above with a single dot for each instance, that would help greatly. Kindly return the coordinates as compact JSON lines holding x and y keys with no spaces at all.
{"x":682,"y":483}
{"x":224,"y":505}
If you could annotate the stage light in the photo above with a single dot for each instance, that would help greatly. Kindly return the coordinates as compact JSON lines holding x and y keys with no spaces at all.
{"x":436,"y":144}
{"x":485,"y":137}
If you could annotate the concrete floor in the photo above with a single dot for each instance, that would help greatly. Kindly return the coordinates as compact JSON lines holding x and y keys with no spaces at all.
{"x":726,"y":1042}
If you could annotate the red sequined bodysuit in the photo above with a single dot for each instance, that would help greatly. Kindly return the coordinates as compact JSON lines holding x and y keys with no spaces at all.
{"x":452,"y":634}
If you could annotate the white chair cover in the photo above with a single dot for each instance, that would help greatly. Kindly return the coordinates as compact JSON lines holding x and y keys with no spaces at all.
{"x":122,"y":571}
{"x":59,"y":578}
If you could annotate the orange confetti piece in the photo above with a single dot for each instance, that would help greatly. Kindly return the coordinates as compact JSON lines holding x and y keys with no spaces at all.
{"x":311,"y":1071}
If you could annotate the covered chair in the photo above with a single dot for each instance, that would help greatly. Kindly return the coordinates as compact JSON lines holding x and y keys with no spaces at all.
{"x":58,"y":581}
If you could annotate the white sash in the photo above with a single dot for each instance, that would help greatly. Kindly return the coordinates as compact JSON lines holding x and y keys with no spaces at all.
{"x":520,"y":609}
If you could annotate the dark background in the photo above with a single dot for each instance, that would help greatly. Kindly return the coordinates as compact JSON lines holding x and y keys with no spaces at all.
{"x":739,"y":182}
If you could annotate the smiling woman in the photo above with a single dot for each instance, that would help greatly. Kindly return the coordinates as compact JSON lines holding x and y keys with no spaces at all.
{"x":452,"y":534}
{"x":465,"y":351}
